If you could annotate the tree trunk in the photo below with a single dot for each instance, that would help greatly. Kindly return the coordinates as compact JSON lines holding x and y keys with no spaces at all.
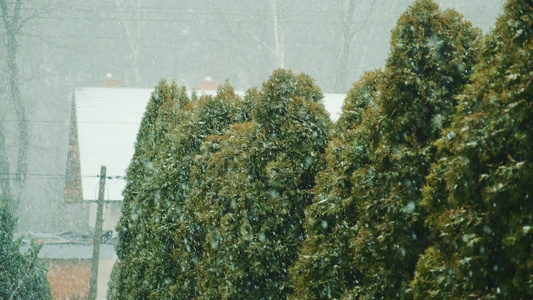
{"x":348,"y":33}
{"x":12,"y":26}
{"x":133,"y":39}
{"x":5,"y":187}
{"x":279,"y":37}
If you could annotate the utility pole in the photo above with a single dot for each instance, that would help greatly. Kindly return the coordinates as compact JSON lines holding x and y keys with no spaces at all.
{"x":97,"y":235}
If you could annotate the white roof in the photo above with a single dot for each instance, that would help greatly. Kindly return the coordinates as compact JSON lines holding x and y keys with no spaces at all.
{"x":108,"y":122}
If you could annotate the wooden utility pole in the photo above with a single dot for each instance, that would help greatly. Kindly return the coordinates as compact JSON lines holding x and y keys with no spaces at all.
{"x":97,"y":235}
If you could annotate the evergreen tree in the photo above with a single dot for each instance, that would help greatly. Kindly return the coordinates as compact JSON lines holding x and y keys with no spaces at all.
{"x":432,"y":56}
{"x":171,"y":133}
{"x":22,"y":276}
{"x":249,"y":190}
{"x":477,"y":197}
{"x":325,"y":267}
{"x":203,"y":117}
{"x":155,"y":232}
{"x":135,"y":228}
{"x":218,"y":173}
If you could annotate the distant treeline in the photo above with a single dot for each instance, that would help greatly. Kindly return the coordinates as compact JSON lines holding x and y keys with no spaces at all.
{"x":420,"y":190}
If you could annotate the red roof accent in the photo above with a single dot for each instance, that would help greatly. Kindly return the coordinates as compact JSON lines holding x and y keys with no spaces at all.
{"x":208,"y":86}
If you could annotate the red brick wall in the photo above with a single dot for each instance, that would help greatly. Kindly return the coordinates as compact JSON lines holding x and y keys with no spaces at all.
{"x":69,"y":279}
{"x":110,"y":82}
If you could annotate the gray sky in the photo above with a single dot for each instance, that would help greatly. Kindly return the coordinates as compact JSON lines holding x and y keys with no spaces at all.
{"x":71,"y":44}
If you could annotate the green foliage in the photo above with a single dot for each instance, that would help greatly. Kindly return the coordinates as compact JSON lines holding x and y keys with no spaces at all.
{"x":271,"y":110}
{"x":428,"y":172}
{"x":211,"y":209}
{"x":172,"y":130}
{"x":477,"y":196}
{"x":325,"y":267}
{"x":135,"y":229}
{"x":365,"y":225}
{"x":204,"y":117}
{"x":141,"y":164}
{"x":22,"y":276}
{"x":242,"y":223}
{"x":432,"y":56}
{"x":361,"y":96}
{"x":156,"y":243}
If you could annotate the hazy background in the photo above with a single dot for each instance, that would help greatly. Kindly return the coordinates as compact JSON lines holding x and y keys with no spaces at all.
{"x":63,"y":45}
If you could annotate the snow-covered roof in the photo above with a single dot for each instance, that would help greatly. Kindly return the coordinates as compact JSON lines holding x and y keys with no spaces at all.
{"x":108,"y":120}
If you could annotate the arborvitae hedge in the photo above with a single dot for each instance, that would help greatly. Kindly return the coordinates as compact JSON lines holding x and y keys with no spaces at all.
{"x":217,"y":189}
{"x":365,"y":230}
{"x":218,"y":172}
{"x":204,"y":117}
{"x":135,"y":230}
{"x":171,"y":132}
{"x":156,"y":242}
{"x":243,"y":218}
{"x":325,"y":267}
{"x":479,"y":193}
{"x":433,"y":53}
{"x":22,"y":276}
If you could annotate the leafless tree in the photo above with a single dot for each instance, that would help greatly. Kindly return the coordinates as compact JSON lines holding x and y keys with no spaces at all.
{"x":279,"y":37}
{"x":350,"y":27}
{"x":14,"y":20}
{"x":133,"y":32}
{"x":278,"y":49}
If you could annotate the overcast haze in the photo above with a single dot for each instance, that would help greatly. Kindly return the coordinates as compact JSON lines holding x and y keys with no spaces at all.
{"x":353,"y":149}
{"x":65,"y":45}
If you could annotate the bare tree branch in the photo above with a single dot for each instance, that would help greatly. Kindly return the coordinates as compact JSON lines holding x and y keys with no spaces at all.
{"x":278,"y":36}
{"x":13,"y":25}
{"x":133,"y":40}
{"x":259,"y":40}
{"x":348,"y":35}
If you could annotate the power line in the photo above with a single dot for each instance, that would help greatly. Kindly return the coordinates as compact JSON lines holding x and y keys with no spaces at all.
{"x":174,"y":10}
{"x":290,"y":21}
{"x":180,"y":39}
{"x":16,"y":176}
{"x":194,"y":12}
{"x":67,"y":122}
